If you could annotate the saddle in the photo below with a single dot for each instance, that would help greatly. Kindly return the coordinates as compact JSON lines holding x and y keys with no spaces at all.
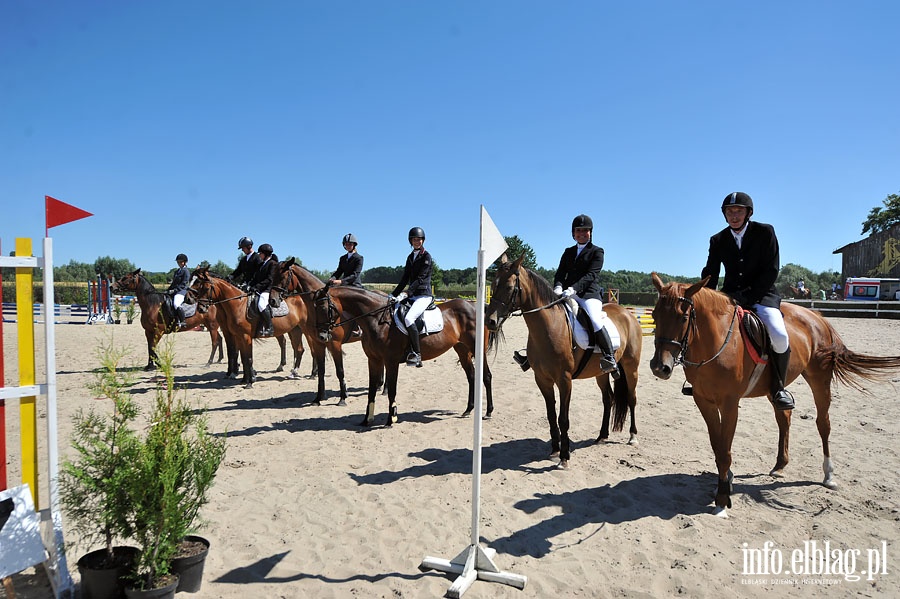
{"x":431,"y":321}
{"x":253,"y":307}
{"x":755,"y":335}
{"x":168,"y":310}
{"x":583,"y":329}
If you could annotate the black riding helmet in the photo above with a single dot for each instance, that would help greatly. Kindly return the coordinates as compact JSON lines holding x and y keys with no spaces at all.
{"x":582,"y":221}
{"x":245,"y":242}
{"x":417,"y":232}
{"x":266,"y":249}
{"x":738,"y":198}
{"x":181,"y":258}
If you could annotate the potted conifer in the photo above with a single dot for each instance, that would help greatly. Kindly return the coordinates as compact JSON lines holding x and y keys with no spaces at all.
{"x":174,"y":468}
{"x":94,"y":484}
{"x":130,"y":311}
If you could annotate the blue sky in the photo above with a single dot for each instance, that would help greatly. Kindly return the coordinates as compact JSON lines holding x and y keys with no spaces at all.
{"x":185,"y":125}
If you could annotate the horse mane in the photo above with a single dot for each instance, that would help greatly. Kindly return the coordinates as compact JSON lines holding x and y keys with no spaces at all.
{"x":542,"y":287}
{"x":713,"y":300}
{"x":154,"y":296}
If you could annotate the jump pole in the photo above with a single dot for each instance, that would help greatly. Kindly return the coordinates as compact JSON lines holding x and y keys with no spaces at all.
{"x":476,"y":562}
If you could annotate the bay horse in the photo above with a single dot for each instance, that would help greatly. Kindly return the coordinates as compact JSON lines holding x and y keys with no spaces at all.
{"x":697,"y":328}
{"x":154,"y":320}
{"x":340,"y":308}
{"x":554,"y":358}
{"x":292,"y":280}
{"x":231,"y":304}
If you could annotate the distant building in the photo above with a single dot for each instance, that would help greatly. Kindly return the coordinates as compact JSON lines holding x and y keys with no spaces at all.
{"x":878,"y":255}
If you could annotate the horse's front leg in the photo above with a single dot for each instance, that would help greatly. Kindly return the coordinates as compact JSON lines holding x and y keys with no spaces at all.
{"x":565,"y":398}
{"x":337,"y":356}
{"x":546,"y":388}
{"x":376,"y":379}
{"x":487,"y":377}
{"x":152,"y":340}
{"x":783,"y":418}
{"x":283,"y":346}
{"x":606,"y":392}
{"x":391,"y":373}
{"x":247,"y":363}
{"x":319,"y":355}
{"x":469,"y":369}
{"x":721,"y":422}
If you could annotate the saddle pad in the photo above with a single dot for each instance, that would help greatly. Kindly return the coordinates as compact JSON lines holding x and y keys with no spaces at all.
{"x":253,"y":310}
{"x":434,"y":321}
{"x":188,"y":309}
{"x":581,"y":335}
{"x":281,"y":310}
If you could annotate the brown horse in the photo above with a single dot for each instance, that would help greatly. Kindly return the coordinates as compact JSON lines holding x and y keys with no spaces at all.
{"x":294,"y":281}
{"x":231,"y":303}
{"x":697,"y":327}
{"x":385,"y":345}
{"x":554,"y":357}
{"x":155,"y":321}
{"x":798,"y":293}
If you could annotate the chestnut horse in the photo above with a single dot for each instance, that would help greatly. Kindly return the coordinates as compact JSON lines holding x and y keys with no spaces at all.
{"x":698,"y":328}
{"x":340,"y":308}
{"x":231,"y":303}
{"x":553,"y":355}
{"x":154,"y":320}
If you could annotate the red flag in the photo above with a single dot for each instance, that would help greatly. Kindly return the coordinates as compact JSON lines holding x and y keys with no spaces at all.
{"x":60,"y":213}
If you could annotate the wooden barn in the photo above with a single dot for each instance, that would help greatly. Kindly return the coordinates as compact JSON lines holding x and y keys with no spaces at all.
{"x":875,"y":256}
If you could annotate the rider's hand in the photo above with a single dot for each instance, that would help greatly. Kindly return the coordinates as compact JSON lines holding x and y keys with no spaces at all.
{"x":568,"y":292}
{"x":558,"y":290}
{"x":402,"y":296}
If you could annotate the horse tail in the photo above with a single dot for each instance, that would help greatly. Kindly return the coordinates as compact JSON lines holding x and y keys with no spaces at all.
{"x":852,"y":369}
{"x":620,"y":401}
{"x":493,"y":338}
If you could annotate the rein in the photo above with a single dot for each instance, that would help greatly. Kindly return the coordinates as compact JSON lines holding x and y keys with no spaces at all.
{"x":332,"y":310}
{"x":512,"y":310}
{"x":681,"y":358}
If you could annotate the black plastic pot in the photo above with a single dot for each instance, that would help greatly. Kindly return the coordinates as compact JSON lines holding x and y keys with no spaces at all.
{"x":166,"y":592}
{"x":190,"y":568}
{"x":102,"y":579}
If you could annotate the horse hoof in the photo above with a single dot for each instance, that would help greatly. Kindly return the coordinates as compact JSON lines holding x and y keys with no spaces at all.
{"x":602,"y":439}
{"x":633,"y":441}
{"x":487,"y":416}
{"x":777,"y":473}
{"x":554,"y":454}
{"x":466,"y":413}
{"x":248,"y":386}
{"x":830,"y":484}
{"x":720,"y":512}
{"x":343,"y":402}
{"x":279,"y":369}
{"x":564,"y":464}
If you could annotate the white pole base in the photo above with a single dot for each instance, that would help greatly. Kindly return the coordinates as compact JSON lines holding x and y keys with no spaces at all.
{"x":473,"y":563}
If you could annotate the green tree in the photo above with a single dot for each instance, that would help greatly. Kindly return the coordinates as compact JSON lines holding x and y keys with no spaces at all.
{"x":517,"y":247}
{"x":882,"y":219}
{"x":117,"y":267}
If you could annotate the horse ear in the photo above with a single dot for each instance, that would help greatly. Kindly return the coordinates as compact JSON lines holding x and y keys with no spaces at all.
{"x":504,"y":258}
{"x":696,"y":287}
{"x":518,"y":262}
{"x":136,"y":273}
{"x":657,"y":282}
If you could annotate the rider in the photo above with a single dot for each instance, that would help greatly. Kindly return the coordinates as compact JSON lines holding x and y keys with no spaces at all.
{"x":749,"y":251}
{"x":249,"y":263}
{"x":417,"y":274}
{"x":348,"y":271}
{"x":349,"y":266}
{"x":578,"y":276}
{"x":262,"y":283}
{"x":178,"y":287}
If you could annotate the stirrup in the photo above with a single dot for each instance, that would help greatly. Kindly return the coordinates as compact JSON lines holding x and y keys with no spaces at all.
{"x":783,"y":400}
{"x":521,"y":360}
{"x":609,"y":365}
{"x":414,"y":359}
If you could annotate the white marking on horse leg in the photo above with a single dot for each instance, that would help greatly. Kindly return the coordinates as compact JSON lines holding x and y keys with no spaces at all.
{"x":829,"y":474}
{"x":720,"y":512}
{"x":633,"y":440}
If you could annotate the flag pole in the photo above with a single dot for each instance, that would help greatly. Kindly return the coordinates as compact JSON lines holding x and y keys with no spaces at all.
{"x":476,"y":562}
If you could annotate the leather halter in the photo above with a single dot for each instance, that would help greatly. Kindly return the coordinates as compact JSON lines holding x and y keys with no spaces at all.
{"x":512,"y":308}
{"x":681,"y":358}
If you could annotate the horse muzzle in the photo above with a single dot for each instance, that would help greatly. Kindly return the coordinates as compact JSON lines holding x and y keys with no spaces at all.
{"x":662,"y":365}
{"x":325,"y":336}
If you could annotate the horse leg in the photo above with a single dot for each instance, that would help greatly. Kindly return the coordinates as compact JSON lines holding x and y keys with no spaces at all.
{"x":783,"y":418}
{"x":215,"y":341}
{"x":565,"y":398}
{"x":391,"y":371}
{"x":219,"y":345}
{"x":247,"y":363}
{"x":487,"y":377}
{"x":152,"y":340}
{"x":721,"y":423}
{"x":469,"y":369}
{"x":606,"y":391}
{"x":546,"y":388}
{"x":319,"y":356}
{"x":376,"y":380}
{"x":821,"y":388}
{"x":337,"y":356}
{"x":282,"y":345}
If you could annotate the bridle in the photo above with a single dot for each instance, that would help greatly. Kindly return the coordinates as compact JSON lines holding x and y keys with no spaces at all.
{"x":681,"y":357}
{"x":511,"y":304}
{"x":294,"y":286}
{"x":204,"y":302}
{"x":322,"y":297}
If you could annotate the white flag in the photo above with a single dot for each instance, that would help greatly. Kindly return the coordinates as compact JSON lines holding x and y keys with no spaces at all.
{"x":492,"y":242}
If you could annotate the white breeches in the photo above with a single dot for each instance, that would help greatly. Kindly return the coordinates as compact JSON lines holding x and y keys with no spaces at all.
{"x":178,"y":300}
{"x":594,"y":309}
{"x":419,"y":305}
{"x":774,"y":321}
{"x":263,"y":301}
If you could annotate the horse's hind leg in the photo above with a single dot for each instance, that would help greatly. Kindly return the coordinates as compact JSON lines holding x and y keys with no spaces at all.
{"x":337,"y":356}
{"x":282,"y":345}
{"x":821,"y":389}
{"x":550,"y":404}
{"x":606,"y":391}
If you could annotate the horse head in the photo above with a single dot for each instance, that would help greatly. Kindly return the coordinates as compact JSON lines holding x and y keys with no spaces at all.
{"x":674,"y":319}
{"x":505,"y":292}
{"x":129,"y":282}
{"x":326,"y":314}
{"x":199,"y":289}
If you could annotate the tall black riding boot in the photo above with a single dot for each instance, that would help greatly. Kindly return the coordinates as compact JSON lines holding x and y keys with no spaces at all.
{"x":266,"y":329}
{"x":607,"y":355}
{"x":781,"y":397}
{"x":415,"y":354}
{"x":179,"y":315}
